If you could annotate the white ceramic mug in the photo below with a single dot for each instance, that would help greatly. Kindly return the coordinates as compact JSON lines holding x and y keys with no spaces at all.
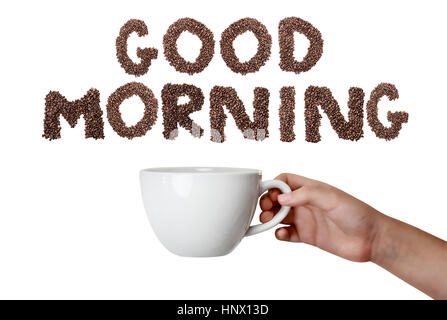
{"x":205,"y":211}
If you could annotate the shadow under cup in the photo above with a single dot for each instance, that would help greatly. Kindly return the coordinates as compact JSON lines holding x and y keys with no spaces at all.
{"x":202,"y":211}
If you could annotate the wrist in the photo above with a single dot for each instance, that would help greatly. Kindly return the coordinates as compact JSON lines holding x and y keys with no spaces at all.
{"x":380,"y":238}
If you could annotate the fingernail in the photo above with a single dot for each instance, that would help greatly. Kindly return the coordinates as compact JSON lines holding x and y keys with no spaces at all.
{"x":284,"y":197}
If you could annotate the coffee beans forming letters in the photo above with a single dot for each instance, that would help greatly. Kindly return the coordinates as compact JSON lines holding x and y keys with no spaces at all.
{"x":57,"y":105}
{"x":223,"y":99}
{"x":170,"y":45}
{"x":174,"y":114}
{"x":150,"y":110}
{"x":146,"y":55}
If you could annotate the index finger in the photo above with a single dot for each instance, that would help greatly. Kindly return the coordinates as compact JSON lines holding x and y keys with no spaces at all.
{"x":295,"y":181}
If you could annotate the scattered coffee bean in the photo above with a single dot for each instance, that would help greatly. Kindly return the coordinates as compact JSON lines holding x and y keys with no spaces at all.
{"x":287,"y":27}
{"x":150,"y":110}
{"x":287,"y":114}
{"x":174,"y":114}
{"x":170,"y":45}
{"x":57,"y":105}
{"x":257,"y":129}
{"x":264,"y":45}
{"x":322,"y":96}
{"x":146,"y":55}
{"x":396,"y":118}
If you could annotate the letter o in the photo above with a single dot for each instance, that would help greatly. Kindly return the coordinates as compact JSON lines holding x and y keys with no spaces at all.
{"x":264,"y":45}
{"x":150,"y":110}
{"x":170,"y":45}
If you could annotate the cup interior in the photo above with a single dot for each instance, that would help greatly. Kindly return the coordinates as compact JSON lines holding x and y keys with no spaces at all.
{"x":202,"y":170}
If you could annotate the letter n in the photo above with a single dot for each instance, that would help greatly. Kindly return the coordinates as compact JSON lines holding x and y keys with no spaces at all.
{"x":322,"y":96}
{"x":227,"y":96}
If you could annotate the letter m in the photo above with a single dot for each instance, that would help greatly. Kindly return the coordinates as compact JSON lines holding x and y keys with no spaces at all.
{"x":88,"y":106}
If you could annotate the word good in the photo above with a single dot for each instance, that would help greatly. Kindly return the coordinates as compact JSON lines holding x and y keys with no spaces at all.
{"x":287,"y":27}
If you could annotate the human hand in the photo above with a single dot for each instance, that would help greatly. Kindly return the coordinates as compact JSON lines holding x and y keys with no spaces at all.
{"x":323,"y":216}
{"x":332,"y":220}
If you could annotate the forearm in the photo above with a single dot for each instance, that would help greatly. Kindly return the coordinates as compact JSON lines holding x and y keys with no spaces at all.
{"x":411,"y":254}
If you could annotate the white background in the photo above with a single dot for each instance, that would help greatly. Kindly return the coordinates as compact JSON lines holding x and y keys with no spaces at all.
{"x":72,"y":224}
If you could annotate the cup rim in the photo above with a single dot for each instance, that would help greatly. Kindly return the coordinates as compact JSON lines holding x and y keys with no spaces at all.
{"x":201,"y":170}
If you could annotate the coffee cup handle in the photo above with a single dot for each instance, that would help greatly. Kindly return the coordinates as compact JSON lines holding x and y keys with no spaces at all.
{"x":282,"y":213}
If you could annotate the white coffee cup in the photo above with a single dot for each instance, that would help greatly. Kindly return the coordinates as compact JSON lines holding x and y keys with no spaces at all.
{"x":205,"y":211}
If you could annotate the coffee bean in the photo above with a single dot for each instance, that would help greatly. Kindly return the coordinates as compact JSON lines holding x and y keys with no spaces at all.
{"x":57,"y":105}
{"x":150,"y":110}
{"x":174,"y":114}
{"x":287,"y":114}
{"x":264,"y":45}
{"x":170,"y":45}
{"x":287,"y":27}
{"x":146,"y":55}
{"x":322,"y":96}
{"x":396,"y":118}
{"x":256,"y":129}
